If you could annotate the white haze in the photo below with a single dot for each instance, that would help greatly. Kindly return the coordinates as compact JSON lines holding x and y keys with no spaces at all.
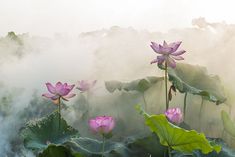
{"x":120,"y":53}
{"x":43,"y":17}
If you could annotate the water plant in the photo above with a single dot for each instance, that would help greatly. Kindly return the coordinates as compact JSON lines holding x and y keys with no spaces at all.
{"x":168,"y":55}
{"x":58,"y":92}
{"x":139,"y":85}
{"x":194,"y":79}
{"x":85,"y":86}
{"x":102,"y":125}
{"x":177,"y":138}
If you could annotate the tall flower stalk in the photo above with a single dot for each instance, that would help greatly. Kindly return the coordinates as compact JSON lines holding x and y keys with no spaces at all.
{"x":185,"y":103}
{"x":168,"y":54}
{"x":166,"y":89}
{"x":58,"y":92}
{"x":103,"y":145}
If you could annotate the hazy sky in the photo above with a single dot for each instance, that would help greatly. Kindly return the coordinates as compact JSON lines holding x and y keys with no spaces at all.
{"x":45,"y":17}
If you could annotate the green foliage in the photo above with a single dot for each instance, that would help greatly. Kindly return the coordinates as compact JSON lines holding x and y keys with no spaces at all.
{"x":38,"y":133}
{"x":229,"y":125}
{"x":57,"y":151}
{"x":92,"y":147}
{"x":131,"y":147}
{"x":196,"y":80}
{"x":177,"y":138}
{"x":14,"y":37}
{"x":225,"y":152}
{"x":140,"y":85}
{"x":146,"y":146}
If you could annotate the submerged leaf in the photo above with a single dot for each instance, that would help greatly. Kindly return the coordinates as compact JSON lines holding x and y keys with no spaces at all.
{"x":196,"y":80}
{"x":39,"y":133}
{"x":139,"y":85}
{"x":229,"y":125}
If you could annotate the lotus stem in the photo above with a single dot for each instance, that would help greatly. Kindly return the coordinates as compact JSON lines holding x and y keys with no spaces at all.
{"x":167,"y":103}
{"x":88,"y":104}
{"x":185,"y":104}
{"x":103,"y":146}
{"x":169,"y":151}
{"x":59,"y":107}
{"x":200,"y":112}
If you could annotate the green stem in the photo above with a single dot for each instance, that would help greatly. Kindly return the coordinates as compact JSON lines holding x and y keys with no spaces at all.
{"x":169,"y":151}
{"x":167,"y":103}
{"x":200,"y":112}
{"x":59,"y":106}
{"x":185,"y":104}
{"x":88,"y":104}
{"x":103,"y":146}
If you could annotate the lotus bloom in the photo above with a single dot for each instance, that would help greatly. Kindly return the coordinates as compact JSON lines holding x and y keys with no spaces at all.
{"x":59,"y":91}
{"x":174,"y":115}
{"x":85,"y":85}
{"x":168,"y":53}
{"x":102,"y":124}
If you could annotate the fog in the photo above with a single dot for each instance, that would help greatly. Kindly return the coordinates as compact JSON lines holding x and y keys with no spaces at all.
{"x":43,"y":17}
{"x":111,"y":53}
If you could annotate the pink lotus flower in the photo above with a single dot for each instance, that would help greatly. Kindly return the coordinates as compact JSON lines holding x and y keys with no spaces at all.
{"x":174,"y":115}
{"x":59,"y":91}
{"x":102,"y":124}
{"x":85,"y":85}
{"x":168,"y":53}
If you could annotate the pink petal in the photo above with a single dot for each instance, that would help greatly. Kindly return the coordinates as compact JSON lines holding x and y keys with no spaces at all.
{"x":165,"y":50}
{"x":69,"y":96}
{"x":48,"y":95}
{"x":63,"y":92}
{"x":178,"y":53}
{"x":93,"y":125}
{"x":175,"y":45}
{"x":171,"y":62}
{"x":70,"y":87}
{"x":51,"y":88}
{"x":55,"y":97}
{"x":154,"y":61}
{"x":165,"y":44}
{"x":112,"y":124}
{"x":155,"y":47}
{"x":161,"y":59}
{"x":177,"y":57}
{"x":58,"y":86}
{"x":83,"y":85}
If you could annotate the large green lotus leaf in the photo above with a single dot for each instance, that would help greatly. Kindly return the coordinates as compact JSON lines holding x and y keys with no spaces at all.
{"x":177,"y":138}
{"x":139,"y":85}
{"x":225,"y":152}
{"x":58,"y":151}
{"x":92,"y":147}
{"x":196,"y":80}
{"x":38,"y":133}
{"x":146,"y":146}
{"x":229,"y":126}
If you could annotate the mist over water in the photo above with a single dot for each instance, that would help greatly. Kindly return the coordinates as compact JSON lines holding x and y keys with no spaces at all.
{"x":114,"y":53}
